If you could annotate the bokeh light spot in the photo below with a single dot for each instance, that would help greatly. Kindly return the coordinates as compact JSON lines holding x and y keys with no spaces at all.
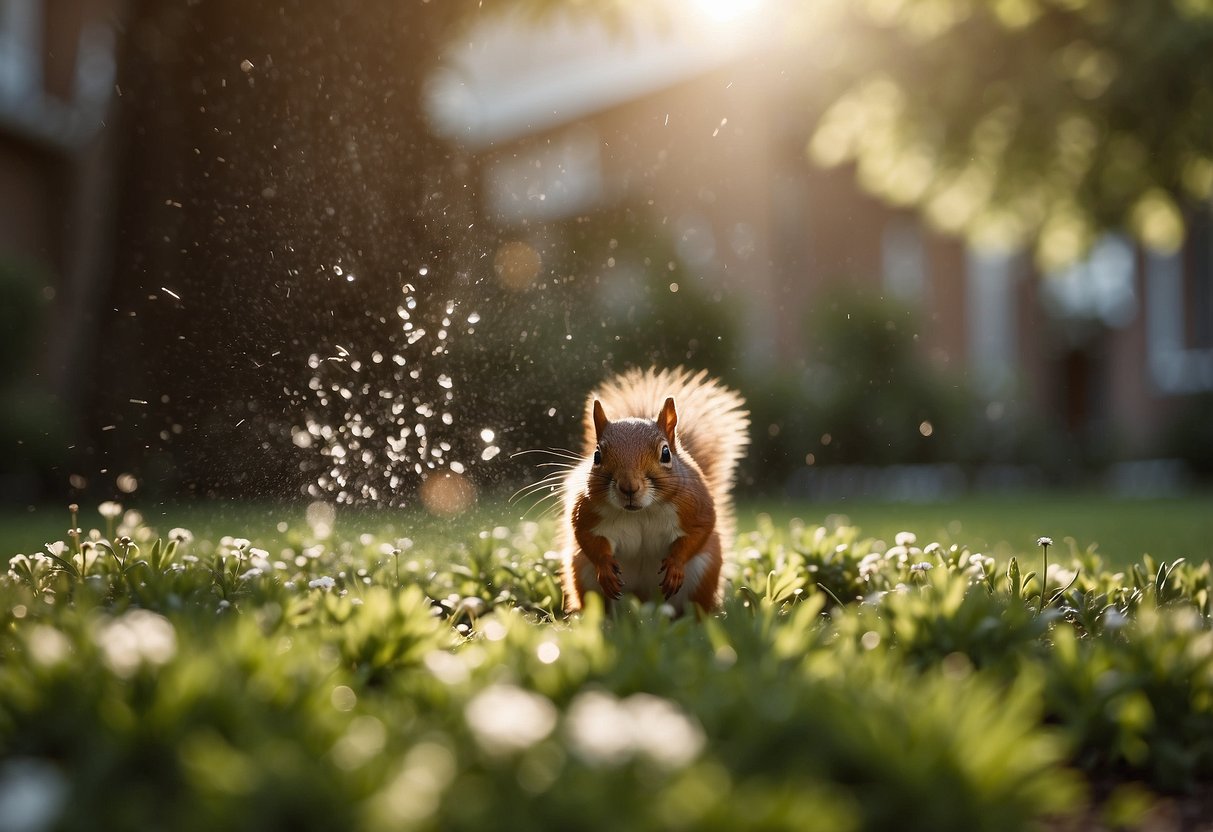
{"x":517,"y":265}
{"x":447,"y":493}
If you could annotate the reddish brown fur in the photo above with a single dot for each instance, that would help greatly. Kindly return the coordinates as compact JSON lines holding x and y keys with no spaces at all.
{"x":705,"y":427}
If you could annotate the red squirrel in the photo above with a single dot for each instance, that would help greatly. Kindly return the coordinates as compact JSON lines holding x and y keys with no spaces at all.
{"x":649,"y":509}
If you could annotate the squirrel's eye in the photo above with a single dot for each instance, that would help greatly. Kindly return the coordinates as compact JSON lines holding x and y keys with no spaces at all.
{"x":665,"y":453}
{"x":597,"y":456}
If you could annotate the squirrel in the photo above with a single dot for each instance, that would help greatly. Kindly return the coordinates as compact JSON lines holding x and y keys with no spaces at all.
{"x":649,"y":508}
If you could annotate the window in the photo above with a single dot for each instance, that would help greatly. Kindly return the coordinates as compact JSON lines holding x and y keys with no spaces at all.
{"x":904,"y":261}
{"x":990,"y":304}
{"x":1100,"y":288}
{"x":20,"y":48}
{"x":1176,"y":367}
{"x":1199,"y":285}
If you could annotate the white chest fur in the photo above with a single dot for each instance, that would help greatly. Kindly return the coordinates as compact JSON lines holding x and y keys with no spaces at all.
{"x":640,"y":541}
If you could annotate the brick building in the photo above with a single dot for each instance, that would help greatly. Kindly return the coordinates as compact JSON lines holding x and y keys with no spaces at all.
{"x":699,"y":121}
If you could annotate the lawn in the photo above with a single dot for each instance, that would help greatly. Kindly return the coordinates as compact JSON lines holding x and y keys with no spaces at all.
{"x":1123,"y":529}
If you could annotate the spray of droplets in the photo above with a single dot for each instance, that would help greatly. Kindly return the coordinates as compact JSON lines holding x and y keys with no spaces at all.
{"x":381,"y":418}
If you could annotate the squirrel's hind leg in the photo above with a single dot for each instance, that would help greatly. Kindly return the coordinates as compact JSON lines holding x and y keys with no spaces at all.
{"x":701,"y":584}
{"x":578,"y":577}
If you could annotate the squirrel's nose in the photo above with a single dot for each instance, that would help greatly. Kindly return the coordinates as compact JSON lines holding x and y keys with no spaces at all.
{"x":628,"y":489}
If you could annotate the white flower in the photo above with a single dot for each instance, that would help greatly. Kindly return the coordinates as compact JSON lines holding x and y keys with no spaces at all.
{"x":110,"y":510}
{"x":180,"y":535}
{"x":260,"y":559}
{"x":505,"y":718}
{"x":135,"y":638}
{"x":905,"y":539}
{"x":89,"y":554}
{"x":1060,"y":575}
{"x":323,"y":582}
{"x":662,"y":731}
{"x":1044,"y":541}
{"x":447,"y":667}
{"x":870,"y":564}
{"x":609,"y":731}
{"x":978,"y":567}
{"x":47,"y":646}
{"x":1114,"y":619}
{"x":599,"y":729}
{"x":548,"y":652}
{"x":921,"y":566}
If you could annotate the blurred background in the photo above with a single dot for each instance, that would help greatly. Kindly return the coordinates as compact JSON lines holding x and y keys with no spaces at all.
{"x":365,"y":252}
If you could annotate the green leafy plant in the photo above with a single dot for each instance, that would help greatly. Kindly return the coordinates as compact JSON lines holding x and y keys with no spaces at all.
{"x":370,"y":683}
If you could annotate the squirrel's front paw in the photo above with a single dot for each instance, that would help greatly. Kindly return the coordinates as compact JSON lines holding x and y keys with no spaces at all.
{"x":611,"y":580}
{"x":671,"y":578}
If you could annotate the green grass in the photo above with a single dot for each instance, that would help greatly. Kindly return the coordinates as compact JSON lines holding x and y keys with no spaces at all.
{"x":1124,"y":530}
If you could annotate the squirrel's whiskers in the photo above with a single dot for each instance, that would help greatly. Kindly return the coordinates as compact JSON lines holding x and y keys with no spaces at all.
{"x":552,"y":483}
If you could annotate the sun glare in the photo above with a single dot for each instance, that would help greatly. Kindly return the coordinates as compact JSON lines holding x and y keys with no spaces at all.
{"x":723,"y":11}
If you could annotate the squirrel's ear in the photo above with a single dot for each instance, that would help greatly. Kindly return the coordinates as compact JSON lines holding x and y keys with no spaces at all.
{"x":600,"y":419}
{"x":667,"y":420}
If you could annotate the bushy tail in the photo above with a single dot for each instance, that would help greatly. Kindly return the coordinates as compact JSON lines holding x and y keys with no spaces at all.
{"x":713,"y":424}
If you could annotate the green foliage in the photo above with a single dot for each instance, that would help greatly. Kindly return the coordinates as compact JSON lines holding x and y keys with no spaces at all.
{"x":1190,"y":437}
{"x":32,"y":421}
{"x":1024,"y":121}
{"x":878,"y":386}
{"x":363,"y":684}
{"x":867,"y":395}
{"x":22,"y":309}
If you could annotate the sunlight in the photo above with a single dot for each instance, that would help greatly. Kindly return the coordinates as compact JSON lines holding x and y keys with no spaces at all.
{"x":723,"y":11}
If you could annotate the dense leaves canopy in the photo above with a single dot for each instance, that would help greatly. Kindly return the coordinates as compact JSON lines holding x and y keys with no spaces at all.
{"x":1026,"y":121}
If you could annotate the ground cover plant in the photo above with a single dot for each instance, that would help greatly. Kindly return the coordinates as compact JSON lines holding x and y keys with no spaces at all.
{"x":999,"y":525}
{"x":157,"y":679}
